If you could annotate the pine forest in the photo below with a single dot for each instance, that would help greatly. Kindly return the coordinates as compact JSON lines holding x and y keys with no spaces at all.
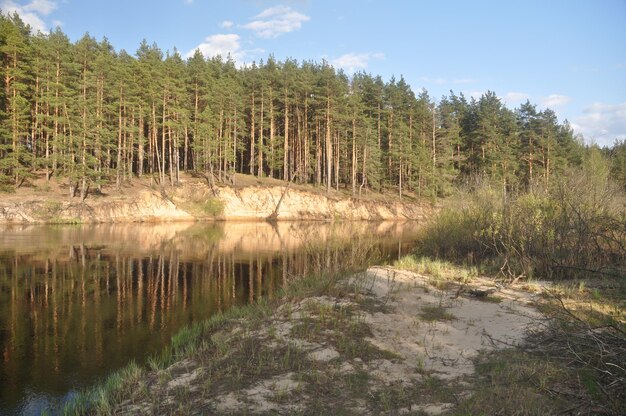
{"x":90,"y":115}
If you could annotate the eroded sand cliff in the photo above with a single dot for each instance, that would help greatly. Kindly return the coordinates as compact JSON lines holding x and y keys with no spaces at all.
{"x":194,"y":200}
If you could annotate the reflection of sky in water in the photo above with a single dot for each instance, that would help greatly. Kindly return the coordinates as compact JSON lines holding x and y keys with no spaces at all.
{"x":77,"y":302}
{"x":36,"y":403}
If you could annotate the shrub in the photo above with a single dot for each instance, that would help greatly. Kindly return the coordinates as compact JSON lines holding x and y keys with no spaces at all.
{"x":577,"y":224}
{"x":213,"y":206}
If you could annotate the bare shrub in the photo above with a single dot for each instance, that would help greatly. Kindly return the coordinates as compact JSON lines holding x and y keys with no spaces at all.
{"x":577,"y":225}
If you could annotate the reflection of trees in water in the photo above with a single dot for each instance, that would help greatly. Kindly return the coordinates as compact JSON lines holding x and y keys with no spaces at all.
{"x":94,"y":309}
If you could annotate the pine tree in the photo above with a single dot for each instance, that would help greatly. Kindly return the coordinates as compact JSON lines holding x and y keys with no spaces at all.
{"x":196,"y":86}
{"x":16,"y":54}
{"x":149,"y":67}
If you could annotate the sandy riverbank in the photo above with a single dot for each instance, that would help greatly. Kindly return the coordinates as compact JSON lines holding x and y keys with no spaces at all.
{"x":389,"y":342}
{"x":194,"y":200}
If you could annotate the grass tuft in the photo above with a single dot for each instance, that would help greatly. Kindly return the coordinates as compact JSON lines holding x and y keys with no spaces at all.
{"x":436,"y":268}
{"x":436,"y":313}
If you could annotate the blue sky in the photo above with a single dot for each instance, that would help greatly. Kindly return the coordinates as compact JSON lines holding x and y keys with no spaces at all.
{"x":569,"y":55}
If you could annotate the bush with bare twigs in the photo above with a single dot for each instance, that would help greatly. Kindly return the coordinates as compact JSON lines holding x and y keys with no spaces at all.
{"x":576,"y":225}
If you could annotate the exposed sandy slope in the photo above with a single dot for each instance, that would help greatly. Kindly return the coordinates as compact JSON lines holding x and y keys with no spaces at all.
{"x":412,"y":352}
{"x":260,"y":203}
{"x":193,"y":199}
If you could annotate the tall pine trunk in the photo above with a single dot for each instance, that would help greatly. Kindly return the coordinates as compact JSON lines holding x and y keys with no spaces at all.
{"x":329,"y":147}
{"x":286,"y":142}
{"x":252,"y":133}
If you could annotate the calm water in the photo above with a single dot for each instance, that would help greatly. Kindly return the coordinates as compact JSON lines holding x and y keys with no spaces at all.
{"x":77,"y":302}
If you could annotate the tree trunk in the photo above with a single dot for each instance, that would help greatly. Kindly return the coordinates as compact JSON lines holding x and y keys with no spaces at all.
{"x":272,"y":161}
{"x":364,"y":172}
{"x":234,"y":146}
{"x":252,"y":132}
{"x":336,"y":160}
{"x":354,"y":162}
{"x":260,"y":173}
{"x":131,"y":144}
{"x":163,"y":133}
{"x":119,"y":140}
{"x":286,"y":142}
{"x":329,"y":147}
{"x":318,"y":154}
{"x":140,"y":145}
{"x":530,"y":164}
{"x":434,"y":138}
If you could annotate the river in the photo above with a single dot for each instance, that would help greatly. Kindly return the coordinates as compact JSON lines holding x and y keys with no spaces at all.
{"x":80,"y":301}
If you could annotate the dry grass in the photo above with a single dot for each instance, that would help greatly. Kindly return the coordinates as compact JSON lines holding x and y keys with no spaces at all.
{"x":572,"y":364}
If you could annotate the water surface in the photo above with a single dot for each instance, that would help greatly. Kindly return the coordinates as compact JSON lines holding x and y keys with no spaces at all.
{"x":77,"y":302}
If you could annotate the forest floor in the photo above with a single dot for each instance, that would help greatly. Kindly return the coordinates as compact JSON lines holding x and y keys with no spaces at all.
{"x":385,"y":341}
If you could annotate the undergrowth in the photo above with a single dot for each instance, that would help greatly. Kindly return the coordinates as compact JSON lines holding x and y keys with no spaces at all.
{"x":574,"y":227}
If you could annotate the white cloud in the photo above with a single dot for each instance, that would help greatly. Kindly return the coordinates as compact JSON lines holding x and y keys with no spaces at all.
{"x":555,"y":100}
{"x":275,"y":21}
{"x":44,"y":7}
{"x":220,"y":44}
{"x":602,"y":123}
{"x":31,"y":13}
{"x":226,"y":24}
{"x":352,"y":62}
{"x":189,"y":1}
{"x":515,"y":97}
{"x":225,"y":44}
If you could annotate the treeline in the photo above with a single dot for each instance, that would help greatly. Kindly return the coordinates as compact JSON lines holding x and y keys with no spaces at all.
{"x":86,"y":113}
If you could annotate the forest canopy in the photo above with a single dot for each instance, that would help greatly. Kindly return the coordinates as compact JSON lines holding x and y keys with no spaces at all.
{"x":90,"y":115}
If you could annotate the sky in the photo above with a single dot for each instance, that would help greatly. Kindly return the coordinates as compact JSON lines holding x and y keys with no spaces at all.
{"x":567,"y":55}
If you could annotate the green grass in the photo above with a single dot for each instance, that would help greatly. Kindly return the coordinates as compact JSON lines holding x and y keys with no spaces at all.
{"x":436,"y":268}
{"x":436,"y":313}
{"x":213,"y":207}
{"x":101,"y":399}
{"x":515,"y":382}
{"x":490,"y":299}
{"x":127,"y":382}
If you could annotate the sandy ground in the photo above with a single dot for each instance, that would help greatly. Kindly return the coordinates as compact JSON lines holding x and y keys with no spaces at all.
{"x":446,"y":346}
{"x":426,"y":333}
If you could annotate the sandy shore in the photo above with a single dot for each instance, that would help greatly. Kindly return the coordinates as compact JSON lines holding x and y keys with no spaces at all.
{"x":390,"y":334}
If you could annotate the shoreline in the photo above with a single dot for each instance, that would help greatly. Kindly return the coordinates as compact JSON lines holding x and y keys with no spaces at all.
{"x":420,"y":337}
{"x":333,"y":342}
{"x":194,"y":201}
